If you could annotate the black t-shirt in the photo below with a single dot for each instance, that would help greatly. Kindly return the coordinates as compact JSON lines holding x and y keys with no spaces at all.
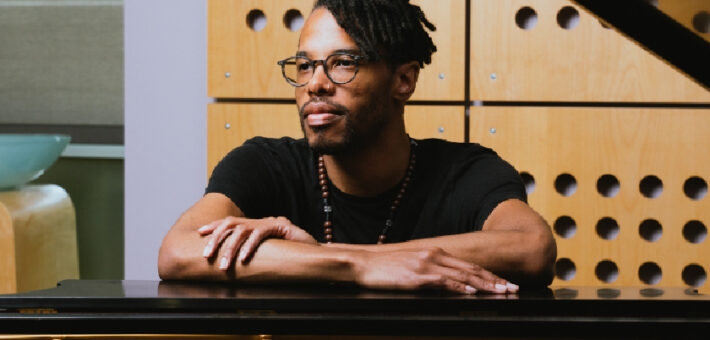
{"x":453,"y":189}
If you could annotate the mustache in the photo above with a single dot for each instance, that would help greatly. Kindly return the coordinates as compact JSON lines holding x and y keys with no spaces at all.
{"x":337,"y":106}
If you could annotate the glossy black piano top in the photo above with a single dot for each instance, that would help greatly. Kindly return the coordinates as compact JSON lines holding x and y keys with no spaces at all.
{"x":228,"y":308}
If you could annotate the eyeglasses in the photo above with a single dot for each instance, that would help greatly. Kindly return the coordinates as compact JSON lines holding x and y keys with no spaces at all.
{"x":340,"y":68}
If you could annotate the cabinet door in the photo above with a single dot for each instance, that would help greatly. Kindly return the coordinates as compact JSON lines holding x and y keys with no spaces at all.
{"x":246,"y":38}
{"x":521,"y":51}
{"x":624,"y":189}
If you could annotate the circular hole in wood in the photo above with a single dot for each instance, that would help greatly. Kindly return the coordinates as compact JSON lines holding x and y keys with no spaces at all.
{"x":607,"y":228}
{"x":565,"y":269}
{"x":568,"y":17}
{"x":694,"y":275}
{"x":695,"y":188}
{"x":651,"y":186}
{"x":701,"y":22}
{"x":650,"y":273}
{"x":608,"y":185}
{"x":526,"y":18}
{"x":256,"y":20}
{"x":695,"y":232}
{"x":650,"y":230}
{"x":566,"y":185}
{"x":293,"y":20}
{"x":565,"y":227}
{"x":607,"y":271}
{"x":528,"y":181}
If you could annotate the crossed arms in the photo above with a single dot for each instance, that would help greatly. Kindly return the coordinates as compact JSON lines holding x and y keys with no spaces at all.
{"x":514,"y":246}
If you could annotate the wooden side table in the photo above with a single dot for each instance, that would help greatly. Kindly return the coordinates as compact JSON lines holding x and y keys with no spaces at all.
{"x":38,"y":244}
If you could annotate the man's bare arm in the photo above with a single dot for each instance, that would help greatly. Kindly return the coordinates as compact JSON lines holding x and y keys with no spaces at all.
{"x":281,"y":260}
{"x":515,"y":243}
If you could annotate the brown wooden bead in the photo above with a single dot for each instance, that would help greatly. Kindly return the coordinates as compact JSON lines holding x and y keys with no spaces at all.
{"x":396,"y":203}
{"x":328,"y":237}
{"x":324,"y":194}
{"x":321,"y":171}
{"x":329,"y":231}
{"x":321,"y":177}
{"x":327,"y":224}
{"x":322,"y":182}
{"x":382,"y":238}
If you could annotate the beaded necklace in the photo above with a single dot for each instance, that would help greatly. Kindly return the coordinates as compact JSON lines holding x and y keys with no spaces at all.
{"x":328,"y":208}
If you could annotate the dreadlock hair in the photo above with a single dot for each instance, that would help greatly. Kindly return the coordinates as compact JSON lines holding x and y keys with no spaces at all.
{"x":385,"y":29}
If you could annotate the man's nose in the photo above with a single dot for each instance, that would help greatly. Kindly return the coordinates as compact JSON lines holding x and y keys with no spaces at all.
{"x":320,"y":83}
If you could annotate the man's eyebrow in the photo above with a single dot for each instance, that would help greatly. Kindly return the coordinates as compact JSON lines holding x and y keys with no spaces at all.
{"x":346,"y":51}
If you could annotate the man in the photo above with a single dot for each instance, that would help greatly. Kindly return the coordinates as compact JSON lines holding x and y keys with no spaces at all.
{"x":358,"y":200}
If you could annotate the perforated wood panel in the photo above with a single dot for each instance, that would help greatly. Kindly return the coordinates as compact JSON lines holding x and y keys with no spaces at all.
{"x":229,"y":125}
{"x":242,"y":60}
{"x":654,"y":164}
{"x":693,"y":14}
{"x":521,"y":52}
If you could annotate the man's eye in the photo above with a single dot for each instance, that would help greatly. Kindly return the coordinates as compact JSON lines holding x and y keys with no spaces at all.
{"x":303,"y":66}
{"x":344,"y":63}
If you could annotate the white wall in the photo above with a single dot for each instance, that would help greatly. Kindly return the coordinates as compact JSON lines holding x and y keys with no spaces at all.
{"x":165,"y":122}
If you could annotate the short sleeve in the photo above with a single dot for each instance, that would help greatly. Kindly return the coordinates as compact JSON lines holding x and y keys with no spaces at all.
{"x":497,"y":181}
{"x":244,"y":177}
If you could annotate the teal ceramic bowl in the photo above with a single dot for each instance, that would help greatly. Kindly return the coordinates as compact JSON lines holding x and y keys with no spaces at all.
{"x":23,"y":158}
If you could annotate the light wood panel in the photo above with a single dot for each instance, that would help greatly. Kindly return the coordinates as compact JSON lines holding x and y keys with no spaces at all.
{"x":549,"y":63}
{"x":8,"y":283}
{"x":44,"y":228}
{"x":684,"y":12}
{"x":229,"y":125}
{"x":250,"y":57}
{"x":628,"y":144}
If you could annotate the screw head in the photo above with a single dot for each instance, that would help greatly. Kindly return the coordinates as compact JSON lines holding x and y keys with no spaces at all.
{"x":492,"y":131}
{"x":227,"y":126}
{"x":227,"y":74}
{"x":441,"y":76}
{"x":441,"y":129}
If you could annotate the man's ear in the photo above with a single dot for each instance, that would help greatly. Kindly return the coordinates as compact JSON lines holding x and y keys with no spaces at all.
{"x":405,"y":80}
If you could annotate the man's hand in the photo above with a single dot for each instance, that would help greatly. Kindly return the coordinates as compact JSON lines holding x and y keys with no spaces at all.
{"x":428,"y":268}
{"x":244,"y":235}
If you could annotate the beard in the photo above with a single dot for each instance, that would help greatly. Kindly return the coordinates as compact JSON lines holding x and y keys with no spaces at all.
{"x":361,"y":129}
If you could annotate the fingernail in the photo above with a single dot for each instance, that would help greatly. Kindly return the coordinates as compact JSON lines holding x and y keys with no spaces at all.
{"x":206,"y":252}
{"x":471,"y":290}
{"x":203,"y":228}
{"x":223,"y":263}
{"x":242,"y":255}
{"x":501,"y":287}
{"x":512,"y":287}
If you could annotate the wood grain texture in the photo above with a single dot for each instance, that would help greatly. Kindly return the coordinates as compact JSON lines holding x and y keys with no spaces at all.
{"x":278,"y":120}
{"x":44,"y":227}
{"x":548,"y":63}
{"x":629,"y":144}
{"x":250,"y":57}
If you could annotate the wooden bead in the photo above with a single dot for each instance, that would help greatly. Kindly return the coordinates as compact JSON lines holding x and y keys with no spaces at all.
{"x":328,"y":237}
{"x":328,"y":231}
{"x":324,"y":194}
{"x":321,"y":177}
{"x":382,"y":238}
{"x":327,"y":224}
{"x":322,"y":182}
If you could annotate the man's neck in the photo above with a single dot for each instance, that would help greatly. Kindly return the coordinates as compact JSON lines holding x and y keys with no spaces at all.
{"x":372,"y":170}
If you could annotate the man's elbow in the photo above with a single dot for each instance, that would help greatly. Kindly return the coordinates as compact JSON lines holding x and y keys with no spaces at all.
{"x":171,"y":266}
{"x":541,"y":260}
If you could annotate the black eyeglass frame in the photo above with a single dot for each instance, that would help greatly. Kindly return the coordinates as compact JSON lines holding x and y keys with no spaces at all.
{"x":314,"y":63}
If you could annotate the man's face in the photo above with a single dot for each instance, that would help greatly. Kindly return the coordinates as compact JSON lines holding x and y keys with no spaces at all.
{"x":338,"y":118}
